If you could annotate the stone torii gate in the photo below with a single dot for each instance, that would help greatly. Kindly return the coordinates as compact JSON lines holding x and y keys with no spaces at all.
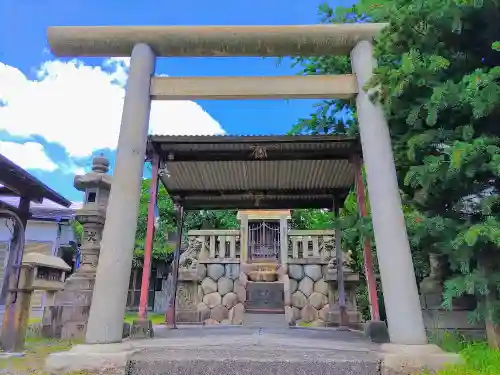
{"x":145,"y":44}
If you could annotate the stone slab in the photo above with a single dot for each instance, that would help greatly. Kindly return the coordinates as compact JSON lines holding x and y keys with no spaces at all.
{"x":10,"y":355}
{"x":101,"y":358}
{"x":265,"y":320}
{"x":292,"y":364}
{"x":209,"y":345}
{"x":265,"y":297}
{"x":257,"y":351}
{"x":242,"y":350}
{"x":442,"y":319}
{"x":413,"y":359}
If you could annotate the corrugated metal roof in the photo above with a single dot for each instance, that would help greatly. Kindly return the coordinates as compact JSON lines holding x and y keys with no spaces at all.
{"x":223,"y":170}
{"x":259,"y":175}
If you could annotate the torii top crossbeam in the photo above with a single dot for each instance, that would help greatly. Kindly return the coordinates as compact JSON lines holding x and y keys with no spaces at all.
{"x":197,"y":41}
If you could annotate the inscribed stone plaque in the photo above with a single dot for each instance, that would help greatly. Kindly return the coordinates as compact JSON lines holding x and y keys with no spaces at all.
{"x":187,"y":302}
{"x":265,"y":297}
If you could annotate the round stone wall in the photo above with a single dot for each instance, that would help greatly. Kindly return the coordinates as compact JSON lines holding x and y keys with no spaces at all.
{"x":224,"y":294}
{"x":309,"y":295}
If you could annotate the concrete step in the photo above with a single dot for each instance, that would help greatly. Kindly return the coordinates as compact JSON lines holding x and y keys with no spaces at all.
{"x":264,"y":320}
{"x":250,"y":361}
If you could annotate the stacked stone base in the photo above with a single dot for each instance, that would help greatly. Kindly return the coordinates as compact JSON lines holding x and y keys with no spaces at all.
{"x":67,"y":317}
{"x":223,"y":294}
{"x":314,"y":298}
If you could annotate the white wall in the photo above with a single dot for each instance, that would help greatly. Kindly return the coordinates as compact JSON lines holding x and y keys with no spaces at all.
{"x":67,"y":234}
{"x":35,"y":231}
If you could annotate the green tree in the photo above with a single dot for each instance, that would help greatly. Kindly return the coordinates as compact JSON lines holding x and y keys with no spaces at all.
{"x":162,"y":248}
{"x":438,"y":81}
{"x":165,"y":225}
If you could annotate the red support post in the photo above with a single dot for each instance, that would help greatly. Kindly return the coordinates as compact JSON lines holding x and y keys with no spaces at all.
{"x":170,"y":315}
{"x":367,"y":253}
{"x":150,"y":231}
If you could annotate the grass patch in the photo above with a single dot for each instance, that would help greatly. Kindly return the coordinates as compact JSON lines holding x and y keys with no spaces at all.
{"x":32,"y":320}
{"x":304,"y":324}
{"x":479,"y":358}
{"x":38,"y":348}
{"x":157,"y":319}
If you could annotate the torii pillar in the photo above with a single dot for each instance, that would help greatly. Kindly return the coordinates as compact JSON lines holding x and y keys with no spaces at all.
{"x":402,"y":302}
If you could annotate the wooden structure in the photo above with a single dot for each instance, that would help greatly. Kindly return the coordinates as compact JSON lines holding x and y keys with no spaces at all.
{"x":258,"y":173}
{"x":15,"y":181}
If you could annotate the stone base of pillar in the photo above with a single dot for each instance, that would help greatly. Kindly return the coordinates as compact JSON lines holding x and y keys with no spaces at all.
{"x":66,"y":318}
{"x":99,"y":358}
{"x":142,"y":329}
{"x":377,"y":331}
{"x":355,"y":320}
{"x":414,"y":359}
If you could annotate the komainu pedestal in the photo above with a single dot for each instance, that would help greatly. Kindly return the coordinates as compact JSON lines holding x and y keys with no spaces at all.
{"x":351,"y":281}
{"x":66,"y":313}
{"x":189,"y":293}
{"x":188,"y":298}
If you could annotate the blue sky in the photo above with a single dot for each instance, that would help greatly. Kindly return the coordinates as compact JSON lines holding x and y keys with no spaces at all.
{"x":56,"y":113}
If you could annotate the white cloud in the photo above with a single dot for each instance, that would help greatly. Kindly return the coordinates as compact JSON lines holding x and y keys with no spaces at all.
{"x":79,"y":171}
{"x":29,"y":155}
{"x":79,"y":106}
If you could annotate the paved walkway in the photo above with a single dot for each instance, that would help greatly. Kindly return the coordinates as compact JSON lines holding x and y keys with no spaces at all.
{"x":232,"y":350}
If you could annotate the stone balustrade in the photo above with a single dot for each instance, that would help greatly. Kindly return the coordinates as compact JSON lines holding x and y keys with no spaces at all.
{"x":306,"y":246}
{"x":217,"y":246}
{"x":214,"y":275}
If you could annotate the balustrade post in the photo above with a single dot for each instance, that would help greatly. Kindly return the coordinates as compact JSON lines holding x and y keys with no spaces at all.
{"x":283,"y":240}
{"x":244,"y":238}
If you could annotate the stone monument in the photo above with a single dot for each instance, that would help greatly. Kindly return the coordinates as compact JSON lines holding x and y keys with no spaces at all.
{"x":438,"y":319}
{"x":68,"y":314}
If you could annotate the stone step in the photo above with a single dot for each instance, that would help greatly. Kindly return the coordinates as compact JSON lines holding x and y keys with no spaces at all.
{"x":265,"y":297}
{"x":264,"y":320}
{"x":250,"y":361}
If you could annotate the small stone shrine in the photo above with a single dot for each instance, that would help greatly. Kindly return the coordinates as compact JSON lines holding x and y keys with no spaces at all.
{"x":263,"y":268}
{"x":67,"y":317}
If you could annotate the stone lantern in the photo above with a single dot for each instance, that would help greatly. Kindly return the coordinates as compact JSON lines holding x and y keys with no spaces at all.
{"x":96,"y":186}
{"x":66,"y":315}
